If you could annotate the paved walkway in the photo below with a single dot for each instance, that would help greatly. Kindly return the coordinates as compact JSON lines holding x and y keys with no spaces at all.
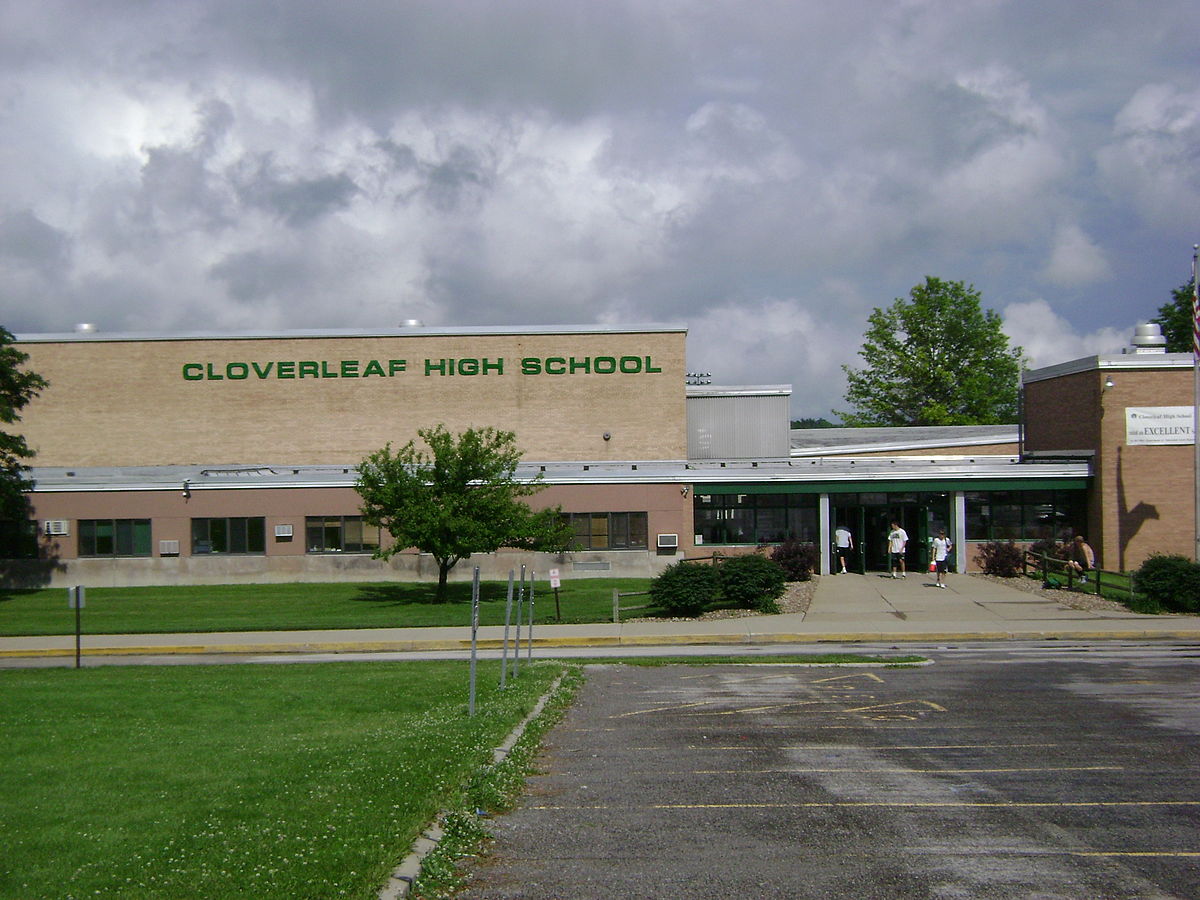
{"x":844,"y":608}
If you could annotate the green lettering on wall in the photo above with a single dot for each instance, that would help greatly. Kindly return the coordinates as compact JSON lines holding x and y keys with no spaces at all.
{"x":396,"y":365}
{"x":196,"y":370}
{"x":286,"y":369}
{"x":237,"y":371}
{"x":374,"y":367}
{"x":262,"y":372}
{"x":308,"y":367}
{"x":349,"y":368}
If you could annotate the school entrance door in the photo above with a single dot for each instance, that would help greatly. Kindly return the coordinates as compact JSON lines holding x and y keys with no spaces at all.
{"x":869,"y":517}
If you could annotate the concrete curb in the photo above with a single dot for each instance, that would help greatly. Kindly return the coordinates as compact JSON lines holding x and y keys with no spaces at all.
{"x":658,"y":640}
{"x":409,"y":869}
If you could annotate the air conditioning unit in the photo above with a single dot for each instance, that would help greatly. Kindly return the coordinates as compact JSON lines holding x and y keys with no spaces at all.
{"x":283,"y":531}
{"x":168,"y":548}
{"x":668,"y":541}
{"x":57,"y":527}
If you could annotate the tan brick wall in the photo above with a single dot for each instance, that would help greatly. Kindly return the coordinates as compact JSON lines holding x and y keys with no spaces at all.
{"x":126,"y":403}
{"x":1146,"y":493}
{"x":1063,"y":413}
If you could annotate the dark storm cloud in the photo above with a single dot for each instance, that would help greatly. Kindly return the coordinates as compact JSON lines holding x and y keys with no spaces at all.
{"x":767,"y":173}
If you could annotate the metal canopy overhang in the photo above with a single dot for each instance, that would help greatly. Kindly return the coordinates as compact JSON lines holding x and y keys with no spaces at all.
{"x":829,"y":475}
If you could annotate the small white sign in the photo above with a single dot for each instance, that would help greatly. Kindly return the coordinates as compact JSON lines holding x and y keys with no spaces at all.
{"x":76,"y":597}
{"x":555,"y":581}
{"x":1148,"y":425}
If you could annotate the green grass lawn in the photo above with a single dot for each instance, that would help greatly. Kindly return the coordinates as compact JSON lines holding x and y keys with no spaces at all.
{"x":274,"y":607}
{"x":236,"y":781}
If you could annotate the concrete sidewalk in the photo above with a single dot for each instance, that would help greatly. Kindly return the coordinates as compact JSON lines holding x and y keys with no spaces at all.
{"x":845,"y":608}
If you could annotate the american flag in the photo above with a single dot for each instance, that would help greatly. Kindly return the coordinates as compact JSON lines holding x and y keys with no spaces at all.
{"x":1195,"y":310}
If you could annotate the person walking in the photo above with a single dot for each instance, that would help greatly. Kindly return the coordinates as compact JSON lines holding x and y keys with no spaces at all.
{"x":843,"y":541}
{"x":897,"y":541}
{"x":941,"y":557}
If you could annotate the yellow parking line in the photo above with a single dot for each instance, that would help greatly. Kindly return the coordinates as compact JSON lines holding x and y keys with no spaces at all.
{"x":642,"y":712}
{"x":908,"y":771}
{"x":893,"y":804}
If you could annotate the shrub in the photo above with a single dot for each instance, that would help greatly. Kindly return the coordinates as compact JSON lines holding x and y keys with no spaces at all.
{"x":1002,"y":558}
{"x":1172,"y":581}
{"x":751,"y":582}
{"x":684,"y":589}
{"x":1052,"y":549}
{"x":798,"y":559}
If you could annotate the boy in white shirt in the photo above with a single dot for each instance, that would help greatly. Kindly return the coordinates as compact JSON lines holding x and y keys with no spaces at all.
{"x":897,"y":541}
{"x":941,"y":557}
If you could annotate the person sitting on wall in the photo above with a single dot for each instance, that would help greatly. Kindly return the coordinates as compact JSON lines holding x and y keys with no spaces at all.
{"x":1082,"y":559}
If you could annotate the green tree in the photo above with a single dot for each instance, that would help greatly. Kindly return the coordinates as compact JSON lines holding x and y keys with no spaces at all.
{"x":1176,"y":320}
{"x":812,"y":423}
{"x":937,"y":358}
{"x":461,"y":497}
{"x":17,"y":388}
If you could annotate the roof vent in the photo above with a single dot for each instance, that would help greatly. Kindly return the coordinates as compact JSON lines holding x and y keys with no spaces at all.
{"x":1148,"y":338}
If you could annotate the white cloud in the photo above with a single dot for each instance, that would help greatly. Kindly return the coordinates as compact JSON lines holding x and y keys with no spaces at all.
{"x":1075,"y":259}
{"x":1047,"y":338}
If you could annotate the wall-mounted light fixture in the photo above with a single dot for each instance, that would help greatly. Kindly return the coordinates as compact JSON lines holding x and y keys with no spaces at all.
{"x":684,"y":490}
{"x":187,"y":488}
{"x":1109,"y":384}
{"x":607,"y":436}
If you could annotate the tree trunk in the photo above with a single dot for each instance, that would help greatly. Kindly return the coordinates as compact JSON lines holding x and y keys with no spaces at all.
{"x":444,"y":567}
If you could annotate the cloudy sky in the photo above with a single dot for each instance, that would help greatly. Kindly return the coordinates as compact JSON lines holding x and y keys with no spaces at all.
{"x":764,"y":172}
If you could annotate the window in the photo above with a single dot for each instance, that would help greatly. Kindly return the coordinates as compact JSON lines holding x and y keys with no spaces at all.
{"x":339,"y":534}
{"x":1025,"y":515}
{"x":755,"y":518}
{"x":609,"y":530}
{"x":231,"y":535}
{"x":114,"y":537}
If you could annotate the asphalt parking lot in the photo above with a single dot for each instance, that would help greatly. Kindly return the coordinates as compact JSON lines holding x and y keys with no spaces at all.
{"x":987,"y":774}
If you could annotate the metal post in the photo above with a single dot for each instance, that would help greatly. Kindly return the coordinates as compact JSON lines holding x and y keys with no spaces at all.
{"x":529,"y":644}
{"x":616,"y":607}
{"x":75,"y":600}
{"x":517,"y":645}
{"x":474,"y":633}
{"x":507,"y":617}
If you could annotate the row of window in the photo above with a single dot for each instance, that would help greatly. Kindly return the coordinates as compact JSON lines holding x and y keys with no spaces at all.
{"x":327,"y":534}
{"x":1025,"y":515}
{"x":233,"y":534}
{"x":719,"y":519}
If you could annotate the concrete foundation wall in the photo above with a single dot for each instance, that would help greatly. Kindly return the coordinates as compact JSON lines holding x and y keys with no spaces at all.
{"x":324,"y":568}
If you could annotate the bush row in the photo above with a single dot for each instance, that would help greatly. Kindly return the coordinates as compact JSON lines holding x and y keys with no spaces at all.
{"x":1169,"y":583}
{"x":746,"y":582}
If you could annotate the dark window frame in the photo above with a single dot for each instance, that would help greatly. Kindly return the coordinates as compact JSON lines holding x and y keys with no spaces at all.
{"x":742,"y":519}
{"x":338,"y":523}
{"x":612,"y":530}
{"x":123,"y":538}
{"x":229,"y":536}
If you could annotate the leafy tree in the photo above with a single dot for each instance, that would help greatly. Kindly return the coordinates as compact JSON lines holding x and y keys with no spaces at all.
{"x":17,"y":388}
{"x":1176,"y":320}
{"x":812,"y":423}
{"x":462,"y":497}
{"x":937,"y":358}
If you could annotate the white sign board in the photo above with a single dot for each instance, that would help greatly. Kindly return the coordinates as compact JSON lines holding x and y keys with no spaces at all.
{"x":555,"y":581}
{"x":1159,"y":425}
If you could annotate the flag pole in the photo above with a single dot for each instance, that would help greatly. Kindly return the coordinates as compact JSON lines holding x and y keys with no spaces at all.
{"x":1196,"y":399}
